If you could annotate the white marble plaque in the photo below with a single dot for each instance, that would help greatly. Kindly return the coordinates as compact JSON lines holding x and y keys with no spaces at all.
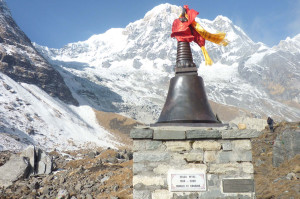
{"x":187,"y":180}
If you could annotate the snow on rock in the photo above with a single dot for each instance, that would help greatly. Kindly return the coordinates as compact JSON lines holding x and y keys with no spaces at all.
{"x":28,"y":115}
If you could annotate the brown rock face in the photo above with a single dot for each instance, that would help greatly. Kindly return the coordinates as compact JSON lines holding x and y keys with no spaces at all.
{"x":20,"y":61}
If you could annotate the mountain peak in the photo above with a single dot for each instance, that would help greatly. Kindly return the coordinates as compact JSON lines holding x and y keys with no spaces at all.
{"x":163,"y":9}
{"x":222,"y":18}
{"x":289,"y":44}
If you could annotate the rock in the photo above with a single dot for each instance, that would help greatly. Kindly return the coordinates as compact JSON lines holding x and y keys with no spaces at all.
{"x":286,"y":146}
{"x":291,"y":176}
{"x":62,"y":194}
{"x":88,"y":196}
{"x":78,"y":187}
{"x":112,"y":160}
{"x":14,"y":169}
{"x":34,"y":185}
{"x":46,"y":190}
{"x":91,"y":154}
{"x":120,"y":156}
{"x":40,"y":162}
{"x":232,"y":125}
{"x":29,"y":153}
{"x":115,"y":188}
{"x":44,"y":162}
{"x":129,"y":155}
{"x":296,"y":169}
{"x":242,"y":126}
{"x":104,"y":179}
{"x":62,"y":180}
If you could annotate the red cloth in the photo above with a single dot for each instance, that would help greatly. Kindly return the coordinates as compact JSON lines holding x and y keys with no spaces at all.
{"x":183,"y":31}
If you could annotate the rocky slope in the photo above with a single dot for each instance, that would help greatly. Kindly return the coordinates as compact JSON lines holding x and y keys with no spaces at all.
{"x":29,"y":116}
{"x":127,"y":70}
{"x":36,"y":106}
{"x":274,"y":180}
{"x":107,"y":173}
{"x":101,"y":173}
{"x":20,"y":61}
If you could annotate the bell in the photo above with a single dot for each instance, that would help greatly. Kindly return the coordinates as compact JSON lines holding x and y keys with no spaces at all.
{"x":186,"y":100}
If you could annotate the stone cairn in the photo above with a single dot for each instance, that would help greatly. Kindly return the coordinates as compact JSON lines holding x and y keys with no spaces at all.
{"x":221,"y":156}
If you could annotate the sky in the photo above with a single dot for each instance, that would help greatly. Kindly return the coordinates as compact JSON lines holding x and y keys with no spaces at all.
{"x":55,"y":23}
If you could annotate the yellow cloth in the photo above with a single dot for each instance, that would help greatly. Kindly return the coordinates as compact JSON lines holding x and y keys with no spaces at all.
{"x":208,"y":61}
{"x":218,"y":38}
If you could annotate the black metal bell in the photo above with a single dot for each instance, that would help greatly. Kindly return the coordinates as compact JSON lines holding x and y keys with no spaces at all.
{"x":186,"y":100}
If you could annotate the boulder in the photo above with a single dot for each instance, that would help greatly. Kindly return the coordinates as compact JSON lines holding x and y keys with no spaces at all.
{"x":29,"y":153}
{"x":40,"y":162}
{"x":43,"y":163}
{"x":14,"y":169}
{"x":286,"y":146}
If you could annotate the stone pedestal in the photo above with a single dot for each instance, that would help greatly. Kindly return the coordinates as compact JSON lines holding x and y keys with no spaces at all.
{"x":192,"y":162}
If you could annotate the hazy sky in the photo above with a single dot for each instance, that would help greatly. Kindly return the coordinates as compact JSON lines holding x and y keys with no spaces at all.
{"x":54,"y":23}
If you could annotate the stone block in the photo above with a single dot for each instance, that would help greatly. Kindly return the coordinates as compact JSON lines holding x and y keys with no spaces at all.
{"x":207,"y":145}
{"x":140,"y":168}
{"x":178,"y":159}
{"x":210,"y":156}
{"x":185,"y":195}
{"x":247,"y":167}
{"x":227,"y":146}
{"x":178,"y":146}
{"x":238,"y":185}
{"x":202,"y":167}
{"x":234,"y":156}
{"x":241,"y":145}
{"x":155,"y":145}
{"x":142,"y":145}
{"x":194,"y":156}
{"x":243,"y":156}
{"x":163,"y":169}
{"x":169,"y":135}
{"x":138,"y":194}
{"x":214,"y":193}
{"x":161,"y":194}
{"x":213,"y":180}
{"x":148,"y":180}
{"x":227,"y":168}
{"x":203,"y":134}
{"x":139,"y":145}
{"x":151,"y":156}
{"x":225,"y":156}
{"x":141,"y":133}
{"x":239,"y":134}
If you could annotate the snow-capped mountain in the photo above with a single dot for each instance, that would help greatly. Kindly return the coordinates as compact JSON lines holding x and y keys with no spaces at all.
{"x":21,"y":62}
{"x":28,"y":115}
{"x":127,"y":70}
{"x":35,"y":103}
